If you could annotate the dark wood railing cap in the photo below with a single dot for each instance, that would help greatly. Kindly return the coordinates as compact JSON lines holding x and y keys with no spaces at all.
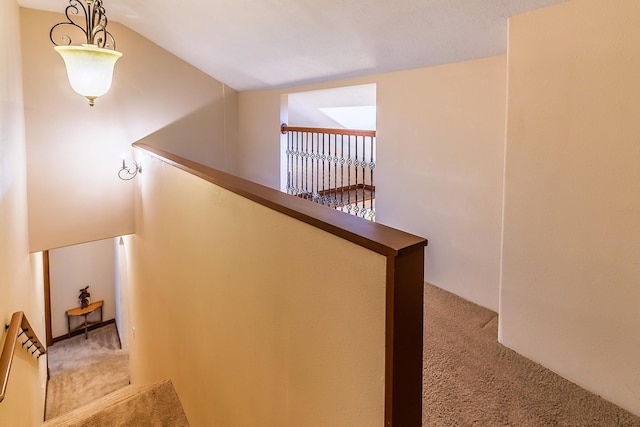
{"x":373,"y":236}
{"x":284,"y":128}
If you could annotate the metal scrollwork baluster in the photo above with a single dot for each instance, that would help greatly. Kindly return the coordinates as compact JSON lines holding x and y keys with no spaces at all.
{"x":324,"y":194}
{"x":355,"y":165}
{"x":316,"y":194}
{"x":372,"y":166}
{"x":306,"y":165}
{"x":364,"y":178}
{"x":296,"y":176}
{"x":314,"y":168}
{"x":335,"y":171}
{"x":343,"y":161}
{"x":288,"y":152}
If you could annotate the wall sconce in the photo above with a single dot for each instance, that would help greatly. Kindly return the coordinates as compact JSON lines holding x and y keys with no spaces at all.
{"x":90,"y":65}
{"x":126,"y":173}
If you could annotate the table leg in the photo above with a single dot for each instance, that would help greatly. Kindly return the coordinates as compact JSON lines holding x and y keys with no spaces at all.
{"x":86,"y":331}
{"x":69,"y":325}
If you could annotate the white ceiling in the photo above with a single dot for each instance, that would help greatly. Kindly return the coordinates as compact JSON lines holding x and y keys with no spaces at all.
{"x":257,"y":44}
{"x":351,"y":107}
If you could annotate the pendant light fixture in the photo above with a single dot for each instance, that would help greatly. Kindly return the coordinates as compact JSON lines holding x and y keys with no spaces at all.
{"x":89,"y":65}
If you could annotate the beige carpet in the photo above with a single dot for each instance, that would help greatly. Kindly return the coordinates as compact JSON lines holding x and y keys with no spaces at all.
{"x":155,"y":405}
{"x":469,"y":380}
{"x":84,"y":370}
{"x":89,"y":387}
{"x":472,"y":380}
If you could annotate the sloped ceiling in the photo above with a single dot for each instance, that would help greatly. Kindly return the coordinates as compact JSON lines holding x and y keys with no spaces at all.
{"x":258,"y":44}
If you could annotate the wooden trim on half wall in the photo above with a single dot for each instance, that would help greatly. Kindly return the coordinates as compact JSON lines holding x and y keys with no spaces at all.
{"x":404,"y":338}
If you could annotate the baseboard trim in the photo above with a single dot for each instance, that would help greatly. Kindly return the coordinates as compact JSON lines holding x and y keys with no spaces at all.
{"x":81,"y":331}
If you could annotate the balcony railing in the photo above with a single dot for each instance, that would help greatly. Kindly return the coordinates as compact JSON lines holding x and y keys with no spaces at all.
{"x":333,"y":167}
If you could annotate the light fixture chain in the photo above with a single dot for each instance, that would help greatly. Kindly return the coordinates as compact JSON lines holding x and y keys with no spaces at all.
{"x":99,"y":33}
{"x":95,"y":20}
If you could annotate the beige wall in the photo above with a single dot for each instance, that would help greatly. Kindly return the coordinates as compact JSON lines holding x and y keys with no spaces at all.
{"x":74,"y":151}
{"x":74,"y":267}
{"x":570,"y":294}
{"x":259,"y":137}
{"x":20,"y":274}
{"x":440,"y":168}
{"x":440,"y":163}
{"x":279,"y":339}
{"x":207,"y":135}
{"x":121,"y":291}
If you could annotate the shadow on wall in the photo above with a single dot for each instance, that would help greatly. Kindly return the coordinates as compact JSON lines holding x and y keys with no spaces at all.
{"x":207,"y":135}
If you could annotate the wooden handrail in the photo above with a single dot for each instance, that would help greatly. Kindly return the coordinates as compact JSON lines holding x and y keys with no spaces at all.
{"x":19,"y":325}
{"x":404,"y":252}
{"x":284,"y":128}
{"x":374,"y":236}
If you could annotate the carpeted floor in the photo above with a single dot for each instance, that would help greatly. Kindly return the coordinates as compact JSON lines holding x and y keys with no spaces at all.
{"x":469,"y":378}
{"x":472,"y":380}
{"x":83,"y":370}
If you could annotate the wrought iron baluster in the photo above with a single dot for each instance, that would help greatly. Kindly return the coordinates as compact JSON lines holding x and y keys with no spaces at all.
{"x":324,"y":194}
{"x":294,"y":162}
{"x":293,"y":176}
{"x":329,"y":160}
{"x":355,"y":164}
{"x":302,"y":165}
{"x":301,"y":172}
{"x":335,"y":171}
{"x":305,"y":157}
{"x":316,"y":194}
{"x":289,"y":171}
{"x":372,"y":166}
{"x":287,"y":151}
{"x":298,"y":165}
{"x":313,"y":167}
{"x":342,"y":162}
{"x":364,"y":178}
{"x":309,"y":159}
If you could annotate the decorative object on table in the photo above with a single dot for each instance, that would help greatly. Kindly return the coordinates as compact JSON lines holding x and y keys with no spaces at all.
{"x":84,"y":297}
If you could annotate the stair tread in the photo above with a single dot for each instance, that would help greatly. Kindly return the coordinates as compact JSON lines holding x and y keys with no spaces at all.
{"x":151,"y":405}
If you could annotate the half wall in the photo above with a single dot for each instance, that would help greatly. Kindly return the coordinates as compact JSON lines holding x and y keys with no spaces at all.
{"x":267,"y":310}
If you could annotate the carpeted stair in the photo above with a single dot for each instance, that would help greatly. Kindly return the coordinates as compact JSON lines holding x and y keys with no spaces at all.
{"x":133,"y":405}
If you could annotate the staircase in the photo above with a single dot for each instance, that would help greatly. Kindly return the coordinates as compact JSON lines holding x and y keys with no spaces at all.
{"x":134,"y":405}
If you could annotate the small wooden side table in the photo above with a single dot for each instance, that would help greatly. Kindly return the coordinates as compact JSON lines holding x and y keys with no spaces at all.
{"x":84,"y":312}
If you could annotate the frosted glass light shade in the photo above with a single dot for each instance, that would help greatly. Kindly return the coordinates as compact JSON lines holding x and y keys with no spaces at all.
{"x":89,"y":68}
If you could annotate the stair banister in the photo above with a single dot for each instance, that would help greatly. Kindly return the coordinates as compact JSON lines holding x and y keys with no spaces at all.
{"x":18,"y":327}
